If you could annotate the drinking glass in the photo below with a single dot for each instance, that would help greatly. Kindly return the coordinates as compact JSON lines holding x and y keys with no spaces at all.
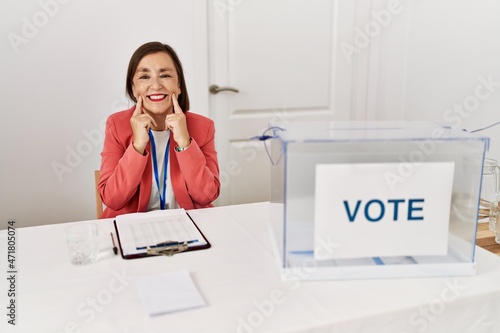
{"x":488,"y":205}
{"x":83,"y":247}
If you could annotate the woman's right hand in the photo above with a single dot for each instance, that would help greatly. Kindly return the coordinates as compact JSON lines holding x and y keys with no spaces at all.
{"x":141,"y":122}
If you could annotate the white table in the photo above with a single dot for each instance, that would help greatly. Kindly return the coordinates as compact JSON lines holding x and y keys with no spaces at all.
{"x":241,"y":285}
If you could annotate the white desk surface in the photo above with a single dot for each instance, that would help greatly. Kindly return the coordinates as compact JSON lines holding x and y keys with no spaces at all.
{"x":240,"y":282}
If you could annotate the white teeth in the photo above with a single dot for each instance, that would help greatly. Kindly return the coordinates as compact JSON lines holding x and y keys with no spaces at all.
{"x":157,"y":97}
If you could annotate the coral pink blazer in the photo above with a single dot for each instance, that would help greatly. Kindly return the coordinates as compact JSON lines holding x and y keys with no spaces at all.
{"x":126,"y":176}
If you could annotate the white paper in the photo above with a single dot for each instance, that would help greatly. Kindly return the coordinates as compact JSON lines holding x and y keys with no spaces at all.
{"x":169,"y":292}
{"x":343,"y":228}
{"x":139,"y":230}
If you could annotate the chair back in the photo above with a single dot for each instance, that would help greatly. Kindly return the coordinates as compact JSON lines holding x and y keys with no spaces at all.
{"x":98,"y":201}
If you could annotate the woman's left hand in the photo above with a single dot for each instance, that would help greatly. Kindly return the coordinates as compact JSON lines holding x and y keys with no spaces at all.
{"x":176,"y":122}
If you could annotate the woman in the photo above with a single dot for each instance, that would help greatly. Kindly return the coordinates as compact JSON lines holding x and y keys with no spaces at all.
{"x":156,"y":155}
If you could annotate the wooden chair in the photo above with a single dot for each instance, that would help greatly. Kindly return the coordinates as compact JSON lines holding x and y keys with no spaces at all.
{"x":98,"y":201}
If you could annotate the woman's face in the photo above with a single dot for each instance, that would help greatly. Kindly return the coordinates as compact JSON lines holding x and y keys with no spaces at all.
{"x":155,"y":80}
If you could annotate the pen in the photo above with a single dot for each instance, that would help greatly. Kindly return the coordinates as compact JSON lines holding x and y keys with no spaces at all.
{"x":115,"y":249}
{"x":165,"y":244}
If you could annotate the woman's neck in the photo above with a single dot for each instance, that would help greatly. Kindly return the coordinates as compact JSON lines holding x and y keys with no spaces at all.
{"x":160,"y":121}
{"x":160,"y":127}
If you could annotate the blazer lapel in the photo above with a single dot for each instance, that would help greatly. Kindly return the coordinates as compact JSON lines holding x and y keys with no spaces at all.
{"x":145,"y":185}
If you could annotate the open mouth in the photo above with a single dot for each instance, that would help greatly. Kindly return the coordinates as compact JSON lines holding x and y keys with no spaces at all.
{"x":157,"y":97}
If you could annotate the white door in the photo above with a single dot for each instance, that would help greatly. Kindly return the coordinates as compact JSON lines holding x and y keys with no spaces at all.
{"x":283,"y":58}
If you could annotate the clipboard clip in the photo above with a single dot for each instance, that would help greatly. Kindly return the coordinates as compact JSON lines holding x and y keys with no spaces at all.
{"x":167,"y":249}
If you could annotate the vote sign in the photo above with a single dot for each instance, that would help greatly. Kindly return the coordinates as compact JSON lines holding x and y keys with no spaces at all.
{"x":375,"y":209}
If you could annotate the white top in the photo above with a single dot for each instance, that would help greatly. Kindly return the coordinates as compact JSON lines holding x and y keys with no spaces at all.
{"x":161,"y":140}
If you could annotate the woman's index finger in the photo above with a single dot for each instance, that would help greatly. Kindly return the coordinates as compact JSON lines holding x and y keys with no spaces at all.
{"x":177,"y":108}
{"x":138,"y":106}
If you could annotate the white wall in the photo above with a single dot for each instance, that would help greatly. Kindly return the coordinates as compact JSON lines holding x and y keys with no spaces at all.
{"x":429,"y":60}
{"x":63,"y":72}
{"x":455,"y":47}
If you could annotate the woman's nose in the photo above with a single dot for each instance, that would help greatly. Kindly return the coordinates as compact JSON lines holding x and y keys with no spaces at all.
{"x":156,"y":84}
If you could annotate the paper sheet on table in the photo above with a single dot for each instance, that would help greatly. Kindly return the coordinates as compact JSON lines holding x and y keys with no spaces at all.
{"x":169,"y":292}
{"x":138,"y":230}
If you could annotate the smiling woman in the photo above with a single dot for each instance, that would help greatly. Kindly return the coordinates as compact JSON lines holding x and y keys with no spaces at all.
{"x":138,"y":141}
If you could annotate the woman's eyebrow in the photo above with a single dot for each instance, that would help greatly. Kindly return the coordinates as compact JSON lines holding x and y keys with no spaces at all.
{"x":146,"y":70}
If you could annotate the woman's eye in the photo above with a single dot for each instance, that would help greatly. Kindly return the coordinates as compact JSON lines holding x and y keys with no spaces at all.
{"x":166,"y":76}
{"x":144,"y":77}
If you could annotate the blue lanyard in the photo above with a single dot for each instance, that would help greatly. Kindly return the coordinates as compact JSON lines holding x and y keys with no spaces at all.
{"x":155,"y":167}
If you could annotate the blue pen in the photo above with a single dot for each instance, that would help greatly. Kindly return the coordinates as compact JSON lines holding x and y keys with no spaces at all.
{"x":166,"y":244}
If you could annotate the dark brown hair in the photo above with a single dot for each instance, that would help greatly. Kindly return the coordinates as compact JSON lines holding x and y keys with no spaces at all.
{"x":154,"y":47}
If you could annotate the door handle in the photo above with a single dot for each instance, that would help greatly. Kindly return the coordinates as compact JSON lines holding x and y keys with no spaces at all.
{"x":215,"y":89}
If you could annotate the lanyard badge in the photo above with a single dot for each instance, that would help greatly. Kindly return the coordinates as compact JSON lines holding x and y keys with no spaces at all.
{"x":155,"y":168}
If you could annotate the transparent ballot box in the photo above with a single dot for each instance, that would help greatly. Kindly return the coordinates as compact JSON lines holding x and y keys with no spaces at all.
{"x":356,"y":200}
